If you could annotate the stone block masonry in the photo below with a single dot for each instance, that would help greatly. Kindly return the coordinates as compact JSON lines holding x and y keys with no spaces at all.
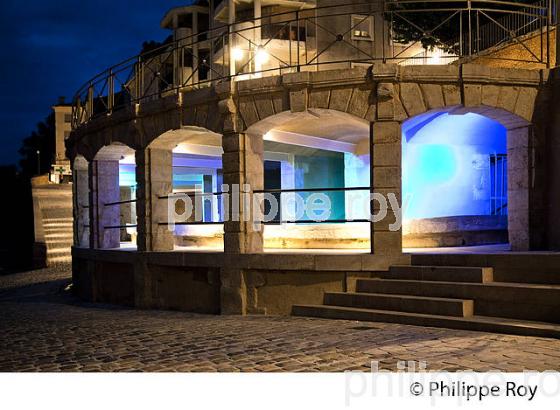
{"x":384,"y":96}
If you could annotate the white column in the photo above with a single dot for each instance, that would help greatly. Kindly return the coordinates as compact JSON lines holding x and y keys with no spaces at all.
{"x":257,"y":31}
{"x":231,"y":41}
{"x":196,"y":62}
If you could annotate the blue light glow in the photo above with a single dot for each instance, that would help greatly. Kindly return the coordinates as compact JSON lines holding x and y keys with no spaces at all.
{"x":447,"y":166}
{"x":127,"y":175}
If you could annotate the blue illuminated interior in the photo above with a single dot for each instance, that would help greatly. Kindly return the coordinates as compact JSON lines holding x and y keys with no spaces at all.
{"x":449,"y":165}
{"x":195,"y":173}
{"x":127,"y":175}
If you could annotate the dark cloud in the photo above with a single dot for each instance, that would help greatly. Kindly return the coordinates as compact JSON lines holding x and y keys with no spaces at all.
{"x":50,"y":48}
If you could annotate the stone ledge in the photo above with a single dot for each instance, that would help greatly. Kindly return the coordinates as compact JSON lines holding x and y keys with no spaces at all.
{"x":478,"y":73}
{"x":198,"y":96}
{"x":259,"y":85}
{"x":339,"y":77}
{"x":429,"y":74}
{"x":160,"y":105}
{"x":383,"y":72}
{"x":266,"y":261}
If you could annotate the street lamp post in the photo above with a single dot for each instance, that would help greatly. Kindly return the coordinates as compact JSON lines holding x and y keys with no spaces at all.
{"x":38,"y":162}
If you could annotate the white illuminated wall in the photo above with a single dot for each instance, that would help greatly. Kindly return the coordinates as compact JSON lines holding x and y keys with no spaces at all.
{"x":446,"y":164}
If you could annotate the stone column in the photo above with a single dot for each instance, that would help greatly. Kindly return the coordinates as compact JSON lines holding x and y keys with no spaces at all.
{"x":243,"y":174}
{"x":104,"y":189}
{"x":243,"y":170}
{"x":154,"y":177}
{"x":80,"y":187}
{"x":387,"y":170}
{"x":519,"y":187}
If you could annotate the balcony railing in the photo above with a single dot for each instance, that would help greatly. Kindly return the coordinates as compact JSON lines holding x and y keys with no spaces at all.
{"x":322,"y":38}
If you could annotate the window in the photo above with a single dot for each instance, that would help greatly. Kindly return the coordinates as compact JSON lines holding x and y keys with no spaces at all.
{"x":362,"y":27}
{"x":67,"y":117}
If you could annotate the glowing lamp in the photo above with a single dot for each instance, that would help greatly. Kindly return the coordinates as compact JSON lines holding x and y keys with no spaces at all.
{"x":261,"y":56}
{"x":237,"y":53}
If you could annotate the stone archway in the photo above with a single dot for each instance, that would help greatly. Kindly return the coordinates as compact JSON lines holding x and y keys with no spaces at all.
{"x":155,"y":170}
{"x":484,"y":133}
{"x":318,"y":148}
{"x":105,"y":195}
{"x":519,"y":168}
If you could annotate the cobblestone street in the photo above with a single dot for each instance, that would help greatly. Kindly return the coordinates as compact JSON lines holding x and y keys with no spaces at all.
{"x":44,"y":328}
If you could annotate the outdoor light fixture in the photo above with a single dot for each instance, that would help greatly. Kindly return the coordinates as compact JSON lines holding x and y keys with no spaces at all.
{"x":435,"y":59}
{"x":237,"y":53}
{"x":261,"y":56}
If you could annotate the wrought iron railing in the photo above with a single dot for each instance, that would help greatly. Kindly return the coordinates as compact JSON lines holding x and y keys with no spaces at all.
{"x":320,"y":38}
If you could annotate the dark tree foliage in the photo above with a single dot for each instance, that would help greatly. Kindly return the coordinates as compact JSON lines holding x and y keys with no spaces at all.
{"x":438,"y":24}
{"x":43,"y":139}
{"x":16,"y":244}
{"x":155,"y":47}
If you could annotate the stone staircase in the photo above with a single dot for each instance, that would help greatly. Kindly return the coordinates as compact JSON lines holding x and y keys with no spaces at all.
{"x":59,"y":239}
{"x":53,"y":224}
{"x":446,"y":296}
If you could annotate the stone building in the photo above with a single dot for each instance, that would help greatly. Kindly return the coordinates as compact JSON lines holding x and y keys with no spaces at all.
{"x":52,"y":198}
{"x":193,"y":164}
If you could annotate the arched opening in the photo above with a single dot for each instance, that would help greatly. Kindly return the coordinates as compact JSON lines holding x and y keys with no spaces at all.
{"x":315,"y":160}
{"x":455,"y":177}
{"x":114,"y":197}
{"x":194,"y":200}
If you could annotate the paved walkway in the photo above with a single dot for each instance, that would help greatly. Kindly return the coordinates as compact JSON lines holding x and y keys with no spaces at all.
{"x":44,"y":328}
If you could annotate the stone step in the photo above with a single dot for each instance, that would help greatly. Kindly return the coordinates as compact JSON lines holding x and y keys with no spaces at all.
{"x":401,"y":303}
{"x":475,"y":323}
{"x":511,"y":300}
{"x":61,"y":243}
{"x":441,"y":273}
{"x":58,"y":220}
{"x":59,"y":225}
{"x":59,"y":259}
{"x":515,"y":267}
{"x":49,"y":230}
{"x":59,"y":235}
{"x":59,"y":251}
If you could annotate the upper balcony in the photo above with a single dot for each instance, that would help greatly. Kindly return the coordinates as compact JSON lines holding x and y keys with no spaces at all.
{"x":324,"y":37}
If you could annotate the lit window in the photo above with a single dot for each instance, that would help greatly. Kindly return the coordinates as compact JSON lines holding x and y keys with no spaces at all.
{"x":362,"y":28}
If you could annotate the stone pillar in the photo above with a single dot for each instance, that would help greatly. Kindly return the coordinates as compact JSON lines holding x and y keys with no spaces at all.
{"x":387,"y":170}
{"x":233,"y":292}
{"x":243,"y":171}
{"x":154,"y":177}
{"x":519,"y":187}
{"x":104,"y":189}
{"x":80,"y":187}
{"x":243,"y":174}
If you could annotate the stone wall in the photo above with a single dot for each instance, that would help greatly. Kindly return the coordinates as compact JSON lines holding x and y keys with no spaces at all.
{"x":218,"y":282}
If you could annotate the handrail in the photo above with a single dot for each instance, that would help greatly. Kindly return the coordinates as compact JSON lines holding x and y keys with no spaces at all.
{"x":121,"y":226}
{"x":166,"y":69}
{"x":295,"y":190}
{"x":274,"y":191}
{"x":128,"y":201}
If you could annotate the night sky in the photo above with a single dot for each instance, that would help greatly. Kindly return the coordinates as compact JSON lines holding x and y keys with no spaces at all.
{"x":52,"y":47}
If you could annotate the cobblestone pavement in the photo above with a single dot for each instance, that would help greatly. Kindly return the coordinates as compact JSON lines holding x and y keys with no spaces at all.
{"x":44,"y":328}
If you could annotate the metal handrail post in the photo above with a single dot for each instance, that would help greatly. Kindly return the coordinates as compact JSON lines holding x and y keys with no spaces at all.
{"x":470,"y":27}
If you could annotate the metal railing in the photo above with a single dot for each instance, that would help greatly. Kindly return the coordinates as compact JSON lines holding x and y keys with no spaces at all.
{"x":270,"y":191}
{"x":315,"y":39}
